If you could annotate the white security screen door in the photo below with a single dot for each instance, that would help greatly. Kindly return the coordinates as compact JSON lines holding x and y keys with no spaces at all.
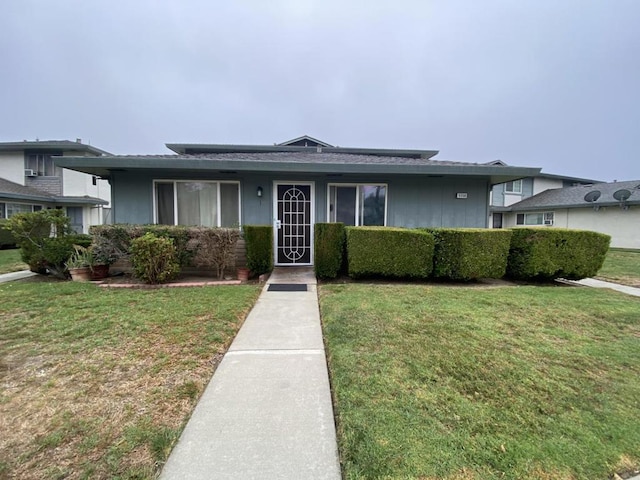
{"x":293,"y":229}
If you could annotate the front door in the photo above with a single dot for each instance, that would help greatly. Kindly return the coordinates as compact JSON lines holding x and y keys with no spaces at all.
{"x":294,"y":206}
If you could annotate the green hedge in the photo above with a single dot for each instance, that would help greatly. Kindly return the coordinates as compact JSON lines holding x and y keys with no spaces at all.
{"x":389,"y":252}
{"x":470,"y":253}
{"x":548,"y":253}
{"x":329,"y":242}
{"x":121,"y":235}
{"x":6,"y":239}
{"x":259,"y":245}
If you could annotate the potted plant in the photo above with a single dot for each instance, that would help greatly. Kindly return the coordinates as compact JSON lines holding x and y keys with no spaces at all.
{"x":104,"y":254}
{"x":80,"y":263}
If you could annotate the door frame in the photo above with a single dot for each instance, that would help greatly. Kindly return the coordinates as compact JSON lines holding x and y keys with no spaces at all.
{"x":274,"y":221}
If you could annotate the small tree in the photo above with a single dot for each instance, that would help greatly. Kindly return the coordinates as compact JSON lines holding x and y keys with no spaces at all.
{"x":46,"y":240}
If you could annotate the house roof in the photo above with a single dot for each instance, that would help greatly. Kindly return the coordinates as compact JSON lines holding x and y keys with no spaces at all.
{"x":305,"y":141}
{"x":574,"y":197}
{"x":199,"y":148}
{"x":15,"y":191}
{"x":51,"y":145}
{"x":294,"y":160}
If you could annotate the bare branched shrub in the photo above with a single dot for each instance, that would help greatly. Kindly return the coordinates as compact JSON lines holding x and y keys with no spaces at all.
{"x":214,"y":248}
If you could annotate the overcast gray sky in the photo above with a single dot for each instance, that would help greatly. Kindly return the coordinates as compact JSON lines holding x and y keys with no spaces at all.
{"x":545,"y":83}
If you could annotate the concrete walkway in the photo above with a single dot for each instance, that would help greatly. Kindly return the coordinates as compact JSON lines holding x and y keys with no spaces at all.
{"x":10,"y":277}
{"x":592,"y":282}
{"x":267,"y":411}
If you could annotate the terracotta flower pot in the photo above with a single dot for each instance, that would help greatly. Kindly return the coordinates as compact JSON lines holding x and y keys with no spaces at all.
{"x":243,"y":274}
{"x":80,"y":274}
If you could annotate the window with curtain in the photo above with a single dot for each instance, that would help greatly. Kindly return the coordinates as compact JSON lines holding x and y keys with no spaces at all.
{"x":41,"y":163}
{"x":358,"y":204}
{"x":207,"y":204}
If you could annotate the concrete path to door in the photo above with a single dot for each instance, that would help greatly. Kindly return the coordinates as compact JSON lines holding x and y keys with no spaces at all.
{"x":267,"y":411}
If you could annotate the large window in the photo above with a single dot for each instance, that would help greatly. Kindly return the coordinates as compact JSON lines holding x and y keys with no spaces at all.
{"x":540,"y":218}
{"x":513,"y":187}
{"x":203,"y":203}
{"x":41,"y":163}
{"x":358,"y":204}
{"x":8,"y":210}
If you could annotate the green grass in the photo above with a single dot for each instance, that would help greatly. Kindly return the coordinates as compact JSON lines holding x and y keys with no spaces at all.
{"x":98,"y":383}
{"x":10,"y":261}
{"x":622,"y":266}
{"x":437,"y":382}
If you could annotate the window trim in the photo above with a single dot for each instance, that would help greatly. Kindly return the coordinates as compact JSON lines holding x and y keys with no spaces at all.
{"x":4,"y":212}
{"x":513,"y":182}
{"x":358,"y":206}
{"x":544,"y":219}
{"x":175,"y":198}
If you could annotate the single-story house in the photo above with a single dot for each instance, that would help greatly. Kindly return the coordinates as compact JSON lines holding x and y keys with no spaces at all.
{"x":295,"y":184}
{"x":611,"y":208}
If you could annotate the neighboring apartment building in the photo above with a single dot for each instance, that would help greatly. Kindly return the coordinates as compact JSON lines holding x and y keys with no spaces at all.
{"x":30,"y":181}
{"x":504,"y":195}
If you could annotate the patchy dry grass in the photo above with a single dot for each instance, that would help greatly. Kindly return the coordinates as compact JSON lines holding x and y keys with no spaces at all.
{"x":98,"y":383}
{"x":621,"y":266}
{"x":440,"y":382}
{"x":11,"y":261}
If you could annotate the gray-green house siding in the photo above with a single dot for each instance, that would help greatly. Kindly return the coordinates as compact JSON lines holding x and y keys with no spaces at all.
{"x":412,"y":201}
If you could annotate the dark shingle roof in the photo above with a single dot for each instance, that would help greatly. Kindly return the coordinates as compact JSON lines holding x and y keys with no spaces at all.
{"x":573,"y":197}
{"x":15,"y":191}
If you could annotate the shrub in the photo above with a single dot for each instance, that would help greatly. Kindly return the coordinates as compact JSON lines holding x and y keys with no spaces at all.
{"x":214,"y":247}
{"x":548,"y":253}
{"x":6,"y":238}
{"x":329,"y":249}
{"x":389,"y":252}
{"x":46,"y":240}
{"x":259,"y":245}
{"x":154,"y":258}
{"x":121,"y":235}
{"x":470,"y":253}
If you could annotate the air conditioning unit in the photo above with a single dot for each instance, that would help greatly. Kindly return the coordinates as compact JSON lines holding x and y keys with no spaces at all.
{"x":30,"y":173}
{"x":548,"y":222}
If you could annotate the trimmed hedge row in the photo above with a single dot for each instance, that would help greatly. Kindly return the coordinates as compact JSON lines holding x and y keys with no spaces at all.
{"x":6,"y":239}
{"x":259,"y":245}
{"x":460,"y":254}
{"x":548,"y":253}
{"x":470,"y":253}
{"x":329,"y":244}
{"x":389,"y":252}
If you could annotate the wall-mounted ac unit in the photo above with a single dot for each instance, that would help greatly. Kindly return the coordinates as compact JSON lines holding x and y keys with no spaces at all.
{"x":548,"y":222}
{"x":30,"y":173}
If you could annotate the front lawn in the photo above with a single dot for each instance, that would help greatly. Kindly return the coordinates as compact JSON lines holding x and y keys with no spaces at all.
{"x":98,"y":383}
{"x":440,"y":382}
{"x":622,"y":266}
{"x":10,"y":261}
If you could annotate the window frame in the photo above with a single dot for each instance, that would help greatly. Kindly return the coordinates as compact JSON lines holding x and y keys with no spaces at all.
{"x":41,"y":159}
{"x":544,"y":217}
{"x":4,"y":211}
{"x":357,"y":186}
{"x":174,"y":182}
{"x":513,"y":183}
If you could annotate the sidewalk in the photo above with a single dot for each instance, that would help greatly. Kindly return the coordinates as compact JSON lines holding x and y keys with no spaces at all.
{"x":267,"y":411}
{"x":10,"y":277}
{"x":592,"y":282}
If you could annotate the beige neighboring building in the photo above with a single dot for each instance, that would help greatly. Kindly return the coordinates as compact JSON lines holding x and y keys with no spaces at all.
{"x":30,"y":180}
{"x":611,"y":208}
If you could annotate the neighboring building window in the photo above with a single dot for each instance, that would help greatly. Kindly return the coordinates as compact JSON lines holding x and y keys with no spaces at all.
{"x":358,"y":204}
{"x":10,"y":209}
{"x":2,"y":212}
{"x":513,"y":187}
{"x":203,"y":203}
{"x":41,"y":163}
{"x":545,"y":218}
